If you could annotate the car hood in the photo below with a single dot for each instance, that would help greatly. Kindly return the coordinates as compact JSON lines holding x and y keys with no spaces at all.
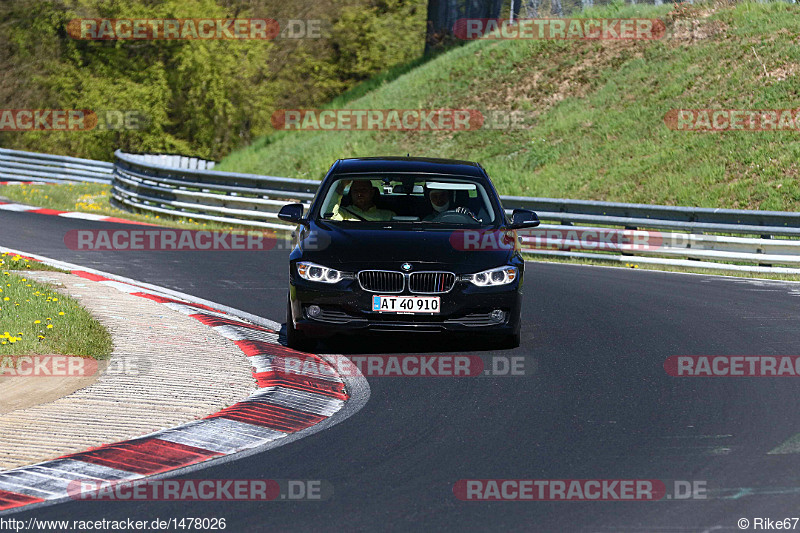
{"x":356,"y":249}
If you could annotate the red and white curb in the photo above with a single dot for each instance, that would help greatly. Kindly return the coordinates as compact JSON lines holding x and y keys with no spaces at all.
{"x":284,"y":408}
{"x":23,"y":208}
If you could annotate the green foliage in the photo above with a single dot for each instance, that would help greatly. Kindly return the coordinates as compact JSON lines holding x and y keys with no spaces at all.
{"x":370,"y":39}
{"x":198,"y":97}
{"x":366,"y":38}
{"x":595,"y":112}
{"x":201,"y":98}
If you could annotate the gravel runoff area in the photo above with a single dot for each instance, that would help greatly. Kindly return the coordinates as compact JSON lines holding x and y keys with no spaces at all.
{"x":165,"y":369}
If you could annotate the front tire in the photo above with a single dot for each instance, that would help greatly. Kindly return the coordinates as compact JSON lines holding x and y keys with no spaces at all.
{"x":513,"y":340}
{"x":295,"y":338}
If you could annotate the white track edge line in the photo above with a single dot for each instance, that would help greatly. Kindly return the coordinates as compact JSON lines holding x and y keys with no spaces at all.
{"x":356,"y":384}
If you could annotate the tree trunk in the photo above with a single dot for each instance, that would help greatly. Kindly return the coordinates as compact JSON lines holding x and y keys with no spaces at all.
{"x":443,"y":14}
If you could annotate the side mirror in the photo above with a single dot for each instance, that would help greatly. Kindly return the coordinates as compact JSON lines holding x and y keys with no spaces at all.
{"x":523,"y":218}
{"x":291,"y":213}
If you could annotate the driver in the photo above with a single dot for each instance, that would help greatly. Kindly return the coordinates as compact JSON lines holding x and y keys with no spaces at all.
{"x":363,"y":207}
{"x":441,"y":203}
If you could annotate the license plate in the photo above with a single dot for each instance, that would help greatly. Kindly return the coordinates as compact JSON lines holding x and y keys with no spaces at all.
{"x":405,"y":304}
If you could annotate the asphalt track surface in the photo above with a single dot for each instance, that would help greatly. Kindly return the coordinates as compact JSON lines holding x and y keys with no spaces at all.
{"x":598,"y":406}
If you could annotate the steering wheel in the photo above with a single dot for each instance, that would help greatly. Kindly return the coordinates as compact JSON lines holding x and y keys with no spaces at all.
{"x":456,"y":217}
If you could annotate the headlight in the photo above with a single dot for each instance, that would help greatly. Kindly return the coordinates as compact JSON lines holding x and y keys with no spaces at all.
{"x":492,"y":277}
{"x":315,"y":272}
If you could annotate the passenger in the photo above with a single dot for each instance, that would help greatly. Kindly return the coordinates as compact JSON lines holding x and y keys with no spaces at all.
{"x":362,"y":194}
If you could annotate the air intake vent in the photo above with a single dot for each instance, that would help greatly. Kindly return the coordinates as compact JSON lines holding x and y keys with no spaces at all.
{"x":431,"y":282}
{"x":381,"y":281}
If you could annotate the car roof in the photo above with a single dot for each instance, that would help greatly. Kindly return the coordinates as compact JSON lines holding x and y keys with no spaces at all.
{"x":408,"y":165}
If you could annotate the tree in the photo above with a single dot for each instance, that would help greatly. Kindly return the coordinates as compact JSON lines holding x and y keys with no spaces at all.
{"x":443,"y":14}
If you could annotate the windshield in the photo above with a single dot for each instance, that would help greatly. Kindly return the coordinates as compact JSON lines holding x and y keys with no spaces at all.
{"x":429,"y":201}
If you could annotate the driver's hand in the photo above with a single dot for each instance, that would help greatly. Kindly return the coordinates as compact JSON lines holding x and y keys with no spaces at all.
{"x":342,"y":186}
{"x":465,"y":211}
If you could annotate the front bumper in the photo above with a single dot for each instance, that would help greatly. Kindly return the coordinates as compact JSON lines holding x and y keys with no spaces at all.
{"x":346,"y":308}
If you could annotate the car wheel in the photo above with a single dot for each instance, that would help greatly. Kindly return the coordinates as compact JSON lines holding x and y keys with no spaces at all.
{"x":513,"y":340}
{"x":295,"y":339}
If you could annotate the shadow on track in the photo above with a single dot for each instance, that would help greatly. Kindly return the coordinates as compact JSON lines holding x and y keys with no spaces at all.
{"x":406,"y":342}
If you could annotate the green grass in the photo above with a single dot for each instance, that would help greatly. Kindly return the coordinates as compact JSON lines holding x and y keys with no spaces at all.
{"x":596,"y":112}
{"x":35,"y":319}
{"x":9,"y":261}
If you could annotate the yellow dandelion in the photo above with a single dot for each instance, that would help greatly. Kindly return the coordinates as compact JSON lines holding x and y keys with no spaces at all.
{"x":61,"y":313}
{"x":49,"y":326}
{"x":37,"y":321}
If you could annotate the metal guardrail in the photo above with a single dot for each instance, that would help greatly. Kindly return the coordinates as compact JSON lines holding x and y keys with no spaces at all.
{"x":689,"y":219}
{"x":174,"y":161}
{"x":255,"y":200}
{"x":663,"y":248}
{"x":16,"y":165}
{"x":226,"y":197}
{"x":726,"y":239}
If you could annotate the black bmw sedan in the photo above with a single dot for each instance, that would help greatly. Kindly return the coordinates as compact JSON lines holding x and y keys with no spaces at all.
{"x":405,"y":244}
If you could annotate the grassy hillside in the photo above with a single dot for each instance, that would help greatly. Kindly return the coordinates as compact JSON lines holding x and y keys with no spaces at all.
{"x":597,"y":111}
